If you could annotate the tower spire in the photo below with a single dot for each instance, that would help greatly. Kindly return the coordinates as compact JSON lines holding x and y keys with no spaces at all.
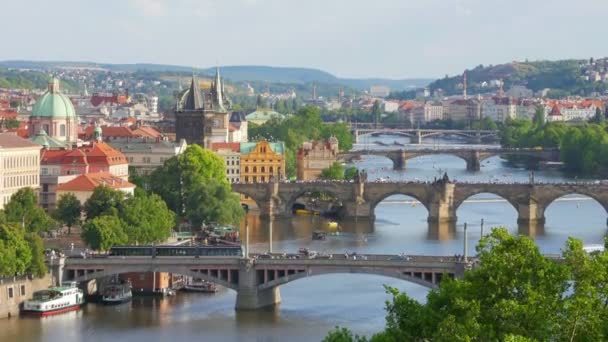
{"x":464,"y":81}
{"x":218,"y":89}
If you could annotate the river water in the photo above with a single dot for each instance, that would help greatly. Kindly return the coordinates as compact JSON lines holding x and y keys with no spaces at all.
{"x":312,"y":306}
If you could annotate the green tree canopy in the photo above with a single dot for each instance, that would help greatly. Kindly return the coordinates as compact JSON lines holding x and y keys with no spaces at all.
{"x":194,"y":185}
{"x":147,"y":219}
{"x":68,"y":211}
{"x":334,"y":172}
{"x":104,"y":201}
{"x":23,"y":209}
{"x":103,"y":232}
{"x":15,"y":253}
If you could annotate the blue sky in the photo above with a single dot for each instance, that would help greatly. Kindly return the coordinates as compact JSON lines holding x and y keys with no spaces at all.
{"x":349,"y":38}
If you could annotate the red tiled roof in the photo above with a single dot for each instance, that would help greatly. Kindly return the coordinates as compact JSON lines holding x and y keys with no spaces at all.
{"x":96,"y":153}
{"x":234,"y":146}
{"x":147,"y":131}
{"x":111,"y":131}
{"x":89,"y":181}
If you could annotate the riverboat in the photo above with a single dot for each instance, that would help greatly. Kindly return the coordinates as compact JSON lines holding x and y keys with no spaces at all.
{"x":54,"y":301}
{"x":332,"y":225}
{"x":116,"y":293}
{"x":306,"y":212}
{"x":199,"y":285}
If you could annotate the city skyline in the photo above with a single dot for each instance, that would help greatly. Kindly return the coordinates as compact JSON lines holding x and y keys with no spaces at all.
{"x":392,"y":39}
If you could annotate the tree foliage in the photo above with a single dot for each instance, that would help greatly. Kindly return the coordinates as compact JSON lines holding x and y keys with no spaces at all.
{"x":104,"y":201}
{"x":15,"y":253}
{"x":194,"y":185}
{"x":146,"y":219}
{"x":68,"y":211}
{"x":23,"y":209}
{"x":334,"y":172}
{"x":513,"y":294}
{"x":103,"y":232}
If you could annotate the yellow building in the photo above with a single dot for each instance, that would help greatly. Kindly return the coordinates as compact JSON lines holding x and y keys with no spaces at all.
{"x":261,"y":160}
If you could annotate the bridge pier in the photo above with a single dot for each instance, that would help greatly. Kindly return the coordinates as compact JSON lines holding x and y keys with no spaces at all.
{"x":530,"y":213}
{"x":441,"y":207}
{"x":473,"y":162}
{"x":417,"y":139}
{"x":249,"y":296}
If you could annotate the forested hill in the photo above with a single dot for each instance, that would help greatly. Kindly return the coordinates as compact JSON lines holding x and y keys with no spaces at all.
{"x":562,"y":77}
{"x":267,"y":74}
{"x":29,"y":79}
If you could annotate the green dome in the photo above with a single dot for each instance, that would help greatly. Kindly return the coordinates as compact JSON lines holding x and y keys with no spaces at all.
{"x":54,"y":104}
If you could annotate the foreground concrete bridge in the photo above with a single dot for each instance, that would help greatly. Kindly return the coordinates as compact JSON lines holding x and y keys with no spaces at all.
{"x":472,"y":156}
{"x":416,"y":135}
{"x":441,"y":198}
{"x":257,"y":281}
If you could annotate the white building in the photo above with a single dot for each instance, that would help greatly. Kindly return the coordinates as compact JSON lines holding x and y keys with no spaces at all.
{"x":231,"y":154}
{"x":20,"y":166}
{"x":146,"y":155}
{"x":379,"y":91}
{"x":391,"y":106}
{"x":499,"y":108}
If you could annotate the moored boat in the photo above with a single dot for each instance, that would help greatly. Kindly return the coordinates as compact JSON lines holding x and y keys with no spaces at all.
{"x":199,"y":285}
{"x":54,"y":301}
{"x":116,"y":293}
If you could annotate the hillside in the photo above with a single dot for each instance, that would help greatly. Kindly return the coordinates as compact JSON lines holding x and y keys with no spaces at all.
{"x":29,"y":80}
{"x":562,"y":77}
{"x":266,"y":74}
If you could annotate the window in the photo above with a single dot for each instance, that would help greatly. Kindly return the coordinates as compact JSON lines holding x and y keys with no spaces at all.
{"x":246,"y":168}
{"x":62,"y":130}
{"x":44,"y":171}
{"x":147,"y":160}
{"x":22,"y":290}
{"x":10,"y":293}
{"x":255,"y":169}
{"x":263,"y":169}
{"x":271,"y":170}
{"x":130,"y":159}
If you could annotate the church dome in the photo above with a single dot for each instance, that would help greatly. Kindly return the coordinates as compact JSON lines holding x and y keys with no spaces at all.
{"x":53,"y":104}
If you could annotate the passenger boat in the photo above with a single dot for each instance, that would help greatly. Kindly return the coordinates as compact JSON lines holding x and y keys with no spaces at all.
{"x":116,"y":293}
{"x":306,"y":212}
{"x":199,"y":285}
{"x":54,"y":301}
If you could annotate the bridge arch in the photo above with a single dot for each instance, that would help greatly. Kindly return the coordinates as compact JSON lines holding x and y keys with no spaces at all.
{"x":293,"y":197}
{"x":581,"y":192}
{"x":111,"y":271}
{"x":427,"y":279}
{"x":374,"y":203}
{"x":458,"y":200}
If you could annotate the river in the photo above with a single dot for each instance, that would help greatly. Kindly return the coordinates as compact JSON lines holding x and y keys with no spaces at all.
{"x":312,"y":306}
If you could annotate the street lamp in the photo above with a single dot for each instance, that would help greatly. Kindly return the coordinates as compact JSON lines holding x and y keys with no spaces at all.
{"x":246,"y":208}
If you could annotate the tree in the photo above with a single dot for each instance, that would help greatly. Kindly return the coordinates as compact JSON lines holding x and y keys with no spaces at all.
{"x":104,"y":201}
{"x":194,"y":185}
{"x":68,"y":211}
{"x":103,"y":232}
{"x":539,"y":116}
{"x":350,"y":173}
{"x":599,"y":117}
{"x":376,"y":112}
{"x":334,"y":172}
{"x":15,"y":254}
{"x":37,"y":264}
{"x":147,"y":219}
{"x":23,"y":209}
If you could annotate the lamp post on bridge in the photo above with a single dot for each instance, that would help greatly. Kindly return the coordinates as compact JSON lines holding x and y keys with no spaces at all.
{"x":466,"y":245}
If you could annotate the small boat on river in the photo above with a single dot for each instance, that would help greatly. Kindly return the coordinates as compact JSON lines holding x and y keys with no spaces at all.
{"x":199,"y":285}
{"x":319,"y":235}
{"x":116,"y":293}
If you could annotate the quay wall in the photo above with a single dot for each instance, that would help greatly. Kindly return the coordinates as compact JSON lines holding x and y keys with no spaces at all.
{"x":14,"y":291}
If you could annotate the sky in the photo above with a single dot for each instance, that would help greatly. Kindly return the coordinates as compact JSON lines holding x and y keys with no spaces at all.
{"x":348,"y":38}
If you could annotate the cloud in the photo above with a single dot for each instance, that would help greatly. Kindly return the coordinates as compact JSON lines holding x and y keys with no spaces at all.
{"x":149,"y":8}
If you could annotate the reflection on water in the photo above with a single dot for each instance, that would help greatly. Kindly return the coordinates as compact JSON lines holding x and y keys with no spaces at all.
{"x":312,"y":306}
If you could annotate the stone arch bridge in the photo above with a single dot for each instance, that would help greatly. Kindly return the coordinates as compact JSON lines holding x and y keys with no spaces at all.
{"x":416,"y":135}
{"x":440,"y":198}
{"x":257,"y":281}
{"x":473,"y":157}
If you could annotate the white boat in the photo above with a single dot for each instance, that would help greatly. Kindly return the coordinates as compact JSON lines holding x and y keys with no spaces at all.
{"x":199,"y":285}
{"x":116,"y":293}
{"x":54,"y":301}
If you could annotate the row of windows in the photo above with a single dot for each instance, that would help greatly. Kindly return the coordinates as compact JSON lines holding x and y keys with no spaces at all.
{"x":232,"y":162}
{"x":21,"y":161}
{"x":146,"y":160}
{"x":20,"y":181}
{"x":232,"y":171}
{"x":262,"y":169}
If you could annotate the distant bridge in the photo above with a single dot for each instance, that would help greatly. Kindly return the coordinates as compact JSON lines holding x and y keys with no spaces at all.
{"x":257,"y":281}
{"x":416,"y":134}
{"x":472,"y":156}
{"x":440,"y":198}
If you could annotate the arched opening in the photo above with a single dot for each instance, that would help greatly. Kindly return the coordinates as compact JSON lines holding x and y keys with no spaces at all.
{"x":263,"y":169}
{"x":255,"y":169}
{"x":493,"y":209}
{"x":315,"y":202}
{"x":377,"y":167}
{"x":398,"y":217}
{"x":573,"y":215}
{"x":438,"y":164}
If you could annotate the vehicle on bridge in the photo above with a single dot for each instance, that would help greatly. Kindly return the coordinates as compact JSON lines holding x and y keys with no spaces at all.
{"x":177,"y":251}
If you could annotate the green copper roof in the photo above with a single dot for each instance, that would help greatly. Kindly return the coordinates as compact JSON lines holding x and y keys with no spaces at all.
{"x":41,"y":138}
{"x":277,"y":147}
{"x":53,"y":104}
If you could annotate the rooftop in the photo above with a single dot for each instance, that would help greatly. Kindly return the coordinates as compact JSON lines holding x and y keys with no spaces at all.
{"x":10,"y":140}
{"x":89,"y":181}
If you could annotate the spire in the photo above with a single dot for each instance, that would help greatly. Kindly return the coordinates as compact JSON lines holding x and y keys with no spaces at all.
{"x":193,"y":100}
{"x":218,"y":89}
{"x":464,"y":81}
{"x":54,"y":85}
